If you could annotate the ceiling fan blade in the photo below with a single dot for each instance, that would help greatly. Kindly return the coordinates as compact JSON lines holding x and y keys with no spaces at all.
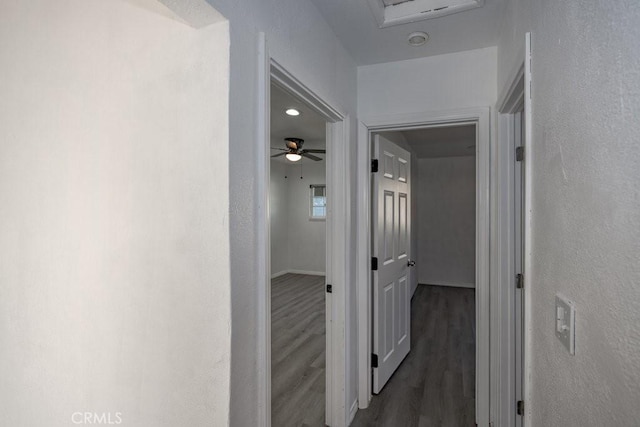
{"x":280,"y":154}
{"x":310,"y":156}
{"x":281,"y":149}
{"x":314,"y":151}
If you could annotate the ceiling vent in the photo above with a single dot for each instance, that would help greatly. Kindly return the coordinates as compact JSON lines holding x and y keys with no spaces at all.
{"x":395,"y":12}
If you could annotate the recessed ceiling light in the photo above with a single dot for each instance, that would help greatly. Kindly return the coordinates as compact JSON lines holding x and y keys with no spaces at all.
{"x":418,"y":38}
{"x":292,"y":112}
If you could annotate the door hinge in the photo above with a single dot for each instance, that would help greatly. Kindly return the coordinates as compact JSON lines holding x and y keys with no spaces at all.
{"x":374,"y":264}
{"x":329,"y":290}
{"x":374,"y":360}
{"x":519,"y":153}
{"x":520,"y":407}
{"x":519,"y":281}
{"x":374,"y":165}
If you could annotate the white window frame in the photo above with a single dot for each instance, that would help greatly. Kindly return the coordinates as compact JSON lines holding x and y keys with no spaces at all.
{"x":312,"y":188}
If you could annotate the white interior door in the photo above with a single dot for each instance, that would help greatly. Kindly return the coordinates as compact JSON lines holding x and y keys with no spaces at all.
{"x":391,"y":223}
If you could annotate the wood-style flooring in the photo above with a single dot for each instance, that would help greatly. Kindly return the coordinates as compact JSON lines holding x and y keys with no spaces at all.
{"x":297,"y":351}
{"x":435,"y":384}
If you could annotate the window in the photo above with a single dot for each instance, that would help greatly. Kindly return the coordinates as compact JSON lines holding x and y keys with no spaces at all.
{"x":318,"y":201}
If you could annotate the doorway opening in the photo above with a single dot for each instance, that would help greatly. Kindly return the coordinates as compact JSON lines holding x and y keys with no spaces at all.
{"x":474,"y":122}
{"x":337,"y":215}
{"x":298,"y":212}
{"x":426,"y":237}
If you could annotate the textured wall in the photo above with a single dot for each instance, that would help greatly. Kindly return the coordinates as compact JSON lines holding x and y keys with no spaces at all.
{"x":586,"y":207}
{"x":307,"y":239}
{"x":278,"y":206}
{"x":436,"y":83}
{"x":114,"y":256}
{"x":297,"y":243}
{"x":446,"y":221}
{"x":301,"y":41}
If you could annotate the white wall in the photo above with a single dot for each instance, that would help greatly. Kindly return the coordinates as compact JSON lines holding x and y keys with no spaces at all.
{"x":279,"y":208}
{"x":585,"y":209}
{"x":298,"y":244}
{"x":446,"y":221}
{"x":114,"y":221}
{"x":301,"y":41}
{"x":436,"y":83}
{"x":307,"y":238}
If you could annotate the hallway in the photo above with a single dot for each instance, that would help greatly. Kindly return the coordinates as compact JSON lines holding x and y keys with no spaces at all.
{"x":435,"y":384}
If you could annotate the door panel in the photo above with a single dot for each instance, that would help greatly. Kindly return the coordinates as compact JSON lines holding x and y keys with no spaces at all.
{"x":389,"y":226}
{"x":403,"y":238}
{"x":391,"y":245}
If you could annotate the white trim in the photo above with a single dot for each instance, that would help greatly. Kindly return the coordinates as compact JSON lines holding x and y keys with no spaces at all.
{"x":352,"y":411}
{"x":481,"y":116}
{"x":338,"y":222}
{"x":528,"y":264}
{"x":307,"y":272}
{"x":263,"y":235}
{"x":503,"y":411}
{"x":513,"y":94}
{"x":280,"y":273}
{"x":448,"y":284}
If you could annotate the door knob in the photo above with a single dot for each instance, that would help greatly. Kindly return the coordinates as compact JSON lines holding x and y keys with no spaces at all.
{"x":411,"y":263}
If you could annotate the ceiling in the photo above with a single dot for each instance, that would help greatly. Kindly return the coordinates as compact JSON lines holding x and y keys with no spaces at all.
{"x":444,"y":141}
{"x":309,"y":125}
{"x":355,"y":25}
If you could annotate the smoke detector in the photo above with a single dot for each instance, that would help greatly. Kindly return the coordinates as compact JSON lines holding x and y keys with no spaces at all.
{"x":418,"y":38}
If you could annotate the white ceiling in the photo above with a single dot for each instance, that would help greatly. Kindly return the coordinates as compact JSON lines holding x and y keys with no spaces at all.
{"x":445,"y":141}
{"x":355,"y":25}
{"x":308,"y":125}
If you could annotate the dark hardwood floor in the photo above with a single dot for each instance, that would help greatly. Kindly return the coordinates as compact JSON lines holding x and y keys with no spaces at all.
{"x":435,"y":384}
{"x":297,"y":351}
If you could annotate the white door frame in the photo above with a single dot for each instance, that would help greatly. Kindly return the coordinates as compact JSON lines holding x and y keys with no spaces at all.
{"x":480,"y":116}
{"x":516,"y":94}
{"x":503,"y":409}
{"x":338,"y":220}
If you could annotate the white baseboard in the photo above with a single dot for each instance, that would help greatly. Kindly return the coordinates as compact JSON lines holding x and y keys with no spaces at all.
{"x":279,"y":273}
{"x":307,"y":272}
{"x":310,"y":273}
{"x":451,"y":284}
{"x":352,"y":411}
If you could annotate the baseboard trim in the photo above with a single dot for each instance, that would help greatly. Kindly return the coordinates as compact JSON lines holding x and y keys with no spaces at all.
{"x":307,"y":272}
{"x":450,"y":284}
{"x":279,"y":273}
{"x":352,"y":411}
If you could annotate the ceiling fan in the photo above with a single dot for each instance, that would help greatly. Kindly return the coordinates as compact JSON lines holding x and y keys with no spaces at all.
{"x":295,"y":152}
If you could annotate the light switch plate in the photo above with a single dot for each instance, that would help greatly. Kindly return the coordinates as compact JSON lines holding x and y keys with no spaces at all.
{"x":565,"y":323}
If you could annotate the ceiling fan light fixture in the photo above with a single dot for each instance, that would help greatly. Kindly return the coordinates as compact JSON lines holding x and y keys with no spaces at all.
{"x":418,"y":38}
{"x":292,"y":112}
{"x":293,"y":157}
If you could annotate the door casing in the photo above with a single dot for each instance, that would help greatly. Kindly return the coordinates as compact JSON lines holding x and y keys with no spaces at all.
{"x":337,"y":222}
{"x":481,"y":117}
{"x":517,"y":94}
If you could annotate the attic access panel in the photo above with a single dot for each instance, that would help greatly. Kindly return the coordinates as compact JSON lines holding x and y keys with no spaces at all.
{"x":395,"y":12}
